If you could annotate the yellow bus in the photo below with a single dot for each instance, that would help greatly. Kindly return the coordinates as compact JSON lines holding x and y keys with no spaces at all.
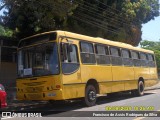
{"x":60,"y":65}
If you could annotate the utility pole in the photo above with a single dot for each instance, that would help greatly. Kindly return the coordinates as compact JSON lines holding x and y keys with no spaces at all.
{"x":0,"y":57}
{"x":1,"y":43}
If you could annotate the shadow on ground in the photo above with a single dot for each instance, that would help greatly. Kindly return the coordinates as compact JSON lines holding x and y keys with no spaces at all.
{"x":47,"y":108}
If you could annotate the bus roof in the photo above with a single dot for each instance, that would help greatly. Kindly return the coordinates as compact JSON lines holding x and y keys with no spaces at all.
{"x":92,"y":39}
{"x":102,"y":41}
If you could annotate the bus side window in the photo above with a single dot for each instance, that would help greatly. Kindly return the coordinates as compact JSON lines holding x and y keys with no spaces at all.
{"x":151,"y":62}
{"x":136,"y":58}
{"x":102,"y":54}
{"x":115,"y":51}
{"x":150,"y":57}
{"x":127,"y":61}
{"x":143,"y":56}
{"x":126,"y":53}
{"x":115,"y":56}
{"x":87,"y":53}
{"x":144,"y":61}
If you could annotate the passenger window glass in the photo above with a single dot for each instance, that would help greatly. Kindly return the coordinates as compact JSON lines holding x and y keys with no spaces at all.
{"x":101,"y":56}
{"x":150,"y":57}
{"x":115,"y":51}
{"x":126,"y":53}
{"x":135,"y":55}
{"x":143,"y":56}
{"x":87,"y":53}
{"x":86,"y":47}
{"x":100,"y":50}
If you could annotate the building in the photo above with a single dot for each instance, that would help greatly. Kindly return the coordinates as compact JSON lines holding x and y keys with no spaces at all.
{"x":8,"y":47}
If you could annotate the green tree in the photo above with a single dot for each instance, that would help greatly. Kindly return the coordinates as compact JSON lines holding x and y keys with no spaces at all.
{"x":5,"y":32}
{"x":155,"y":46}
{"x":118,"y":20}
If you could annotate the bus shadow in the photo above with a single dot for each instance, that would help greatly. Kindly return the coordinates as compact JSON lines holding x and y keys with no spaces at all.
{"x":47,"y":108}
{"x":117,"y":97}
{"x":60,"y":107}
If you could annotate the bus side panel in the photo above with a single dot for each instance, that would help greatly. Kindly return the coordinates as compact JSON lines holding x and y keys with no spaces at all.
{"x":142,"y":72}
{"x":129,"y":83}
{"x":153,"y":78}
{"x":72,"y":85}
{"x":102,"y":74}
{"x":118,"y":78}
{"x":71,"y":91}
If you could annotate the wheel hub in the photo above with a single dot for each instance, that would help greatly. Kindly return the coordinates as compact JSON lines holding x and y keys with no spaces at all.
{"x":92,"y":95}
{"x":141,"y":88}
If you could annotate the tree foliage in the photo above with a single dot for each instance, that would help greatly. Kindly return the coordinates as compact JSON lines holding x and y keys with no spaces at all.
{"x":5,"y":32}
{"x":155,"y":46}
{"x":119,"y":20}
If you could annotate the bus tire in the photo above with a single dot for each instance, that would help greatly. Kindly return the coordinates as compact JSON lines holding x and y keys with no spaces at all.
{"x":90,"y":96}
{"x":140,"y":90}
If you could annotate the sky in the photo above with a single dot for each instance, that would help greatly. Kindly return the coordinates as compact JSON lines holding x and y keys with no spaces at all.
{"x":151,"y":30}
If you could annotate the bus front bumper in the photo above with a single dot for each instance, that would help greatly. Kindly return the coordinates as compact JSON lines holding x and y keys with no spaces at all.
{"x":48,"y":95}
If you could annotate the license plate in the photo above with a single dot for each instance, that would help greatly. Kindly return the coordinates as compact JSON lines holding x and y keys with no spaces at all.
{"x":35,"y":96}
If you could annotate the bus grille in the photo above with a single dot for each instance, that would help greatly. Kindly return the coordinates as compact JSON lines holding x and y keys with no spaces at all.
{"x":34,"y":89}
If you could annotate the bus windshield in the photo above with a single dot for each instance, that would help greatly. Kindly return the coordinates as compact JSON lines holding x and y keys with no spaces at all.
{"x":39,"y":60}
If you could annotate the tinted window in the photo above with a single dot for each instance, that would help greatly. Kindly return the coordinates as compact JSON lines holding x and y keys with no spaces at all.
{"x":126,"y":58}
{"x":151,"y":62}
{"x":37,"y":39}
{"x":100,"y":50}
{"x":144,"y":61}
{"x":115,"y":56}
{"x":150,"y":57}
{"x":86,"y":47}
{"x":115,"y":51}
{"x":143,"y":56}
{"x":87,"y":53}
{"x":135,"y":55}
{"x":102,"y":54}
{"x":125,"y":53}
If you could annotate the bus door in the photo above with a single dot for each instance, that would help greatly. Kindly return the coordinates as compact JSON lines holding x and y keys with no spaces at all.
{"x":71,"y":73}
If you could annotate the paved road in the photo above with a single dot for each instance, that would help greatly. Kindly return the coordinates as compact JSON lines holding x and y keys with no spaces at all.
{"x":151,"y":98}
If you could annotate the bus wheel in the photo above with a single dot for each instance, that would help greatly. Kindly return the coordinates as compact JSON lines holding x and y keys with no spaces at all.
{"x":90,"y":95}
{"x":140,"y":90}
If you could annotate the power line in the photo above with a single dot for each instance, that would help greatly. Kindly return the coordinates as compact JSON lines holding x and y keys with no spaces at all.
{"x":80,"y":18}
{"x":94,"y":24}
{"x":117,"y":10}
{"x":108,"y":12}
{"x":89,"y":19}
